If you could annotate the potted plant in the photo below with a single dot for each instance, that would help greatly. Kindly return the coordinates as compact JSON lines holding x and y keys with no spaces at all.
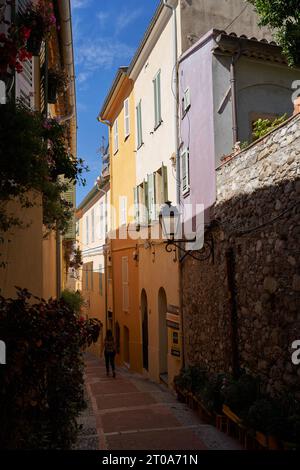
{"x":266,"y":417}
{"x":239,"y":395}
{"x":40,"y":19}
{"x":57,"y":82}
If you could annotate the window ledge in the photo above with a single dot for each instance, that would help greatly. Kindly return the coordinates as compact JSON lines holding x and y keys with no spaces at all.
{"x":116,"y":151}
{"x":185,"y":112}
{"x":126,"y":137}
{"x":141,"y":145}
{"x":158,"y":125}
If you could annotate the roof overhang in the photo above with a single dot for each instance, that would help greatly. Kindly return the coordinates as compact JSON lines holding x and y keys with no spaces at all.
{"x":113,"y":93}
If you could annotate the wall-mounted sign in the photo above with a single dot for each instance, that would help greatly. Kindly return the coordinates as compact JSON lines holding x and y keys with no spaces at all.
{"x":175,"y":345}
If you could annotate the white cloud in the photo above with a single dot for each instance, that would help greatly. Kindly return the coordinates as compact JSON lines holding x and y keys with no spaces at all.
{"x":102,"y":53}
{"x":127,"y":17}
{"x":79,"y":3}
{"x":102,"y":17}
{"x":83,"y":77}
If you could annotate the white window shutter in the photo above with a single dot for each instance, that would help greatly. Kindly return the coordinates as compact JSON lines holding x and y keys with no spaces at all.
{"x":116,"y":136}
{"x":70,"y":197}
{"x":24,"y":80}
{"x":185,"y":171}
{"x":125,"y":283}
{"x":93,"y":225}
{"x":123,"y":210}
{"x":126,"y":118}
{"x":136,"y":205}
{"x":100,"y":280}
{"x":87,"y":230}
{"x":187,"y":99}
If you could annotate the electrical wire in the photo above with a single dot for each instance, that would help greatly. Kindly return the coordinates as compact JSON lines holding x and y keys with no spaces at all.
{"x":236,"y":18}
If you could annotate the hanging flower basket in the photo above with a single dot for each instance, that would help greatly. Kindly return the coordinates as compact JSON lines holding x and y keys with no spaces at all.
{"x":52,"y":90}
{"x":40,"y":20}
{"x":34,"y":44}
{"x":57,"y":82}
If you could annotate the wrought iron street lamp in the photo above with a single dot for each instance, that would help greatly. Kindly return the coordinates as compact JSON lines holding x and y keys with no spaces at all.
{"x":171,"y":224}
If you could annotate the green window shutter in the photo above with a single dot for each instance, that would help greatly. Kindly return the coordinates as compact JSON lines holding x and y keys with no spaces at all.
{"x":144,"y":190}
{"x":139,"y":124}
{"x":151,"y":197}
{"x":136,"y":205}
{"x":157,"y":100}
{"x":164,"y":184}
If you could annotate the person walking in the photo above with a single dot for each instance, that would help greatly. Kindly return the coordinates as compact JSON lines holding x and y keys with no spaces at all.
{"x":109,"y":352}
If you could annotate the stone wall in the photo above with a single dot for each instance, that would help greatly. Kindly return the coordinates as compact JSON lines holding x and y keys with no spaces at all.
{"x":257,"y":220}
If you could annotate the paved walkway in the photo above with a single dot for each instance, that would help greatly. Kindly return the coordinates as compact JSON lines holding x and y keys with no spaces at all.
{"x":130,"y":412}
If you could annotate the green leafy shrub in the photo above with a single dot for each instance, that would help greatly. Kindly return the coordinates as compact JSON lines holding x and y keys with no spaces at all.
{"x":74,"y":300}
{"x":240,"y":394}
{"x":190,"y":379}
{"x":42,"y":386}
{"x":262,"y":127}
{"x":265,"y":415}
{"x":212,"y":393}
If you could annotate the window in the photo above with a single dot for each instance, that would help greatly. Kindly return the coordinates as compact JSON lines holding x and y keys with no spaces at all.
{"x":91,"y":269}
{"x":157,"y":101}
{"x":126,"y":118}
{"x":116,"y":136}
{"x":161,"y":185}
{"x":93,"y":225}
{"x":86,"y":277}
{"x":125,"y":283}
{"x":100,"y":280}
{"x":151,"y":197}
{"x":141,"y":203}
{"x":185,"y":172}
{"x":77,"y":228}
{"x":186,"y":102}
{"x":87,"y":230}
{"x":139,"y":125}
{"x":123,"y":210}
{"x":102,"y":221}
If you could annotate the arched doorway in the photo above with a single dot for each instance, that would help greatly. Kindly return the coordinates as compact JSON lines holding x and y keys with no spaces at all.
{"x":163,"y":333}
{"x":144,"y":313}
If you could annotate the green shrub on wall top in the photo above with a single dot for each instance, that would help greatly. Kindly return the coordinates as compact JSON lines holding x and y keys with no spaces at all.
{"x":42,"y":386}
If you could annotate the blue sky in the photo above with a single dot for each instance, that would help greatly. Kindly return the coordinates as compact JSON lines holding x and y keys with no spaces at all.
{"x":106,"y":34}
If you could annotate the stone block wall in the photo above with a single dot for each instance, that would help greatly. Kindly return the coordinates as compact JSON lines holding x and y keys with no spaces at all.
{"x":257,"y":229}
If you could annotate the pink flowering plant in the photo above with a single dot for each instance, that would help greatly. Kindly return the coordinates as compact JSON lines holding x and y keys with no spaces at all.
{"x":13,"y":50}
{"x":40,"y":20}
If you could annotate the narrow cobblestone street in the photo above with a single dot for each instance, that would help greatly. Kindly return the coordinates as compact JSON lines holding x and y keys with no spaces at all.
{"x":131,"y":412}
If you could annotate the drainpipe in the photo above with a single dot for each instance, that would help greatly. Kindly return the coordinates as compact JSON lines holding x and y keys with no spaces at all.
{"x":176,"y":145}
{"x":235,"y":131}
{"x":175,"y":72}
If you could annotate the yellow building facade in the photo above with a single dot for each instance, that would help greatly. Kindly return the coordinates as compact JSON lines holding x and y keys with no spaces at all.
{"x":123,"y":267}
{"x":33,"y":258}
